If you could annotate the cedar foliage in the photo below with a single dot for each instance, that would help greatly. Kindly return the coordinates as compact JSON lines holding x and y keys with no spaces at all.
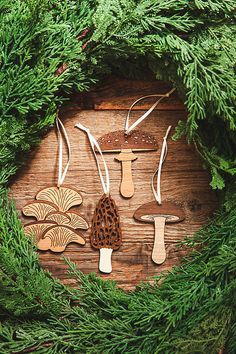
{"x":190,"y":43}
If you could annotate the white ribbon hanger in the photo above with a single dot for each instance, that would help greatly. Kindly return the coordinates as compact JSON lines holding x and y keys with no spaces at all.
{"x":62,"y":133}
{"x":128,"y":128}
{"x":164,"y":151}
{"x":93,"y":142}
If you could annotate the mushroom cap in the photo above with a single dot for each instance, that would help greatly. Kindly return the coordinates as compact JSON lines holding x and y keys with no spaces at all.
{"x":59,"y":217}
{"x":37,"y":228}
{"x":63,"y":197}
{"x":105,"y":229}
{"x":57,"y":237}
{"x":148,"y":212}
{"x":39,"y":209}
{"x":77,"y":221}
{"x":137,"y":140}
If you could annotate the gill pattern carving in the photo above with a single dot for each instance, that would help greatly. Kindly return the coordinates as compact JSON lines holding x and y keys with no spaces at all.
{"x":63,"y":197}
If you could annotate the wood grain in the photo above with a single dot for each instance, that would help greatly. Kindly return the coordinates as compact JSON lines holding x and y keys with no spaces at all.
{"x":184,"y":180}
{"x":116,"y":93}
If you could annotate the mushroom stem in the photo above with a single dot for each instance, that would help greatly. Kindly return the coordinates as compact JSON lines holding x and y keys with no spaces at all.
{"x":105,"y":260}
{"x":127,"y":185}
{"x":159,"y":252}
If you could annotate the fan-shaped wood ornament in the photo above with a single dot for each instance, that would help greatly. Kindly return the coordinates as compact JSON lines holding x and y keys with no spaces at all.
{"x":39,"y":209}
{"x":59,"y":217}
{"x":63,"y":197}
{"x":76,"y":220}
{"x":52,"y":205}
{"x":56,"y":238}
{"x":36,"y":229}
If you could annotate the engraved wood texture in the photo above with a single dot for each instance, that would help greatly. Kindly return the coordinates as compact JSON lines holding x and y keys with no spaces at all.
{"x":105,"y":229}
{"x":183,"y":179}
{"x":77,"y":221}
{"x":49,"y":232}
{"x":39,"y":209}
{"x":56,"y":238}
{"x":59,"y":217}
{"x":170,"y":210}
{"x":152,"y":212}
{"x":36,"y":229}
{"x":137,"y":140}
{"x":117,"y":141}
{"x":64,"y":198}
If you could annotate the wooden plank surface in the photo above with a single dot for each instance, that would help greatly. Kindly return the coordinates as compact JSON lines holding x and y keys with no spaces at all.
{"x":117,"y":94}
{"x":183,"y":180}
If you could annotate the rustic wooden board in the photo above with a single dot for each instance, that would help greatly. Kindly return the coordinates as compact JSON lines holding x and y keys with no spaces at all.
{"x":120,"y":94}
{"x":183,"y":180}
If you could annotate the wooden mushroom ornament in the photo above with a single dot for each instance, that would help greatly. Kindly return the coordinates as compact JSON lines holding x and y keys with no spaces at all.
{"x":39,"y":209}
{"x":159,"y":215}
{"x":56,"y":238}
{"x":56,"y":224}
{"x":105,"y":230}
{"x":63,"y":197}
{"x":126,"y":145}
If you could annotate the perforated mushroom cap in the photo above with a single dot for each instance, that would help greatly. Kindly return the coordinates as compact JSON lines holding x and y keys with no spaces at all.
{"x":106,"y":230}
{"x":148,"y":212}
{"x":137,"y":140}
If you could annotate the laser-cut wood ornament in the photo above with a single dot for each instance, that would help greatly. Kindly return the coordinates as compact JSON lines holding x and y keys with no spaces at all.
{"x":105,"y":231}
{"x":64,"y":197}
{"x":159,"y":213}
{"x":39,"y":209}
{"x":57,"y":237}
{"x":77,"y":221}
{"x":126,"y":145}
{"x":128,"y":141}
{"x":36,"y":229}
{"x":56,"y":224}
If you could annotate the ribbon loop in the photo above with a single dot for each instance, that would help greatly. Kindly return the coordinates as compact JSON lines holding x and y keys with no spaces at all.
{"x":164,"y":151}
{"x":94,"y":143}
{"x":146,"y":114}
{"x":62,"y":133}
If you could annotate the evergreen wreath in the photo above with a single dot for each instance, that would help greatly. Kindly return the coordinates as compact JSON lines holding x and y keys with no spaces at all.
{"x":190,"y":43}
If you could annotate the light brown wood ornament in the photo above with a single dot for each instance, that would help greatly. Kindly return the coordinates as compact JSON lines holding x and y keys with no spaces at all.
{"x":126,"y":145}
{"x":56,"y":225}
{"x":159,"y":215}
{"x":106,"y":231}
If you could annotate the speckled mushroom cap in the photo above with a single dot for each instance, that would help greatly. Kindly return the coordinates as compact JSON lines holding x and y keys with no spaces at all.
{"x":171,"y":211}
{"x":137,"y":140}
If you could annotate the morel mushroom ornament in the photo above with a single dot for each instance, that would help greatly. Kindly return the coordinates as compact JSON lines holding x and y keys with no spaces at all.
{"x":105,"y":230}
{"x":56,"y":224}
{"x":159,"y":213}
